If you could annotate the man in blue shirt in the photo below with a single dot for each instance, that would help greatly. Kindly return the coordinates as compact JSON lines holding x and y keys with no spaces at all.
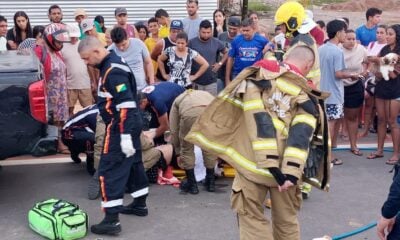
{"x":158,"y":99}
{"x":366,"y":33}
{"x":246,"y":49}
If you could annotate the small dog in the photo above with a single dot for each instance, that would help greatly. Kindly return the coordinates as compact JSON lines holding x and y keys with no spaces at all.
{"x":387,"y":64}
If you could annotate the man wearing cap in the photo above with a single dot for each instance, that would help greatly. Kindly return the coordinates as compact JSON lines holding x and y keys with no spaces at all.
{"x":210,"y":48}
{"x":78,"y":81}
{"x":227,"y":37}
{"x":176,"y":27}
{"x":191,"y":23}
{"x":121,"y":15}
{"x":80,"y":15}
{"x":87,"y":27}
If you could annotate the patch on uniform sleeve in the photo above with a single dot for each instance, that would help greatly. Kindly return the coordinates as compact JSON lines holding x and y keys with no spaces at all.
{"x":122,"y":87}
{"x":148,"y":89}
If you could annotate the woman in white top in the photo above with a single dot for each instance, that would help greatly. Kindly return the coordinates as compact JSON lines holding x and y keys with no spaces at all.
{"x":373,"y":48}
{"x":180,"y":59}
{"x":355,"y":57}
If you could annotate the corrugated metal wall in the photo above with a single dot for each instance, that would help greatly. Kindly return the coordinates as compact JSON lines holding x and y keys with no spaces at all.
{"x":137,"y":10}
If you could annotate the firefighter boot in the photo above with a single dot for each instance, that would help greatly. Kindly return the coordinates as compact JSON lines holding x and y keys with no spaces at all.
{"x":137,"y":207}
{"x":209,"y":182}
{"x":109,"y":226}
{"x":305,"y":190}
{"x":189,"y":185}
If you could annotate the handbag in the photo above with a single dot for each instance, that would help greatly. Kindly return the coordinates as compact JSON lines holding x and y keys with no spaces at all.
{"x":58,"y":219}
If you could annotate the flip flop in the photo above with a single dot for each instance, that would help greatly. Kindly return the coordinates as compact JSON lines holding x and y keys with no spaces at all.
{"x":391,"y":161}
{"x":336,"y":161}
{"x":356,"y":152}
{"x":374,"y":155}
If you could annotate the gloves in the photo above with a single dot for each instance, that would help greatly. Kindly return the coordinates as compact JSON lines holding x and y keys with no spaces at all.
{"x":278,"y":175}
{"x":292,"y":178}
{"x":127,"y":145}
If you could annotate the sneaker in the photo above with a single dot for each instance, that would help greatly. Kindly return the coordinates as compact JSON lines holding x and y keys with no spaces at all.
{"x":94,"y":187}
{"x":106,"y":228}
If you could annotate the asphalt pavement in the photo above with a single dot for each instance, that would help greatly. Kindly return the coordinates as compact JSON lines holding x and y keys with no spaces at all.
{"x":358,"y":190}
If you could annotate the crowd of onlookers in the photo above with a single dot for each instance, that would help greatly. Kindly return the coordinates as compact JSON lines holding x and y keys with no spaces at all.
{"x":365,"y":98}
{"x":197,"y":53}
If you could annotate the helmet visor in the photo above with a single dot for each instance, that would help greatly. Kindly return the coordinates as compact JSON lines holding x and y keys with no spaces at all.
{"x":62,"y":36}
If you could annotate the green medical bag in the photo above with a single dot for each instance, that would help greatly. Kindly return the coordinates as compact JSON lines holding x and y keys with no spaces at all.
{"x":58,"y":219}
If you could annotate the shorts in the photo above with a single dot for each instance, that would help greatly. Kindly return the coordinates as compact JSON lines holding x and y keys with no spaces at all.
{"x":354,"y":95}
{"x":84,"y":96}
{"x":334,"y":111}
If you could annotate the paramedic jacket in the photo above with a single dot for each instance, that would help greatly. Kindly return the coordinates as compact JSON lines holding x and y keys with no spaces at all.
{"x":392,"y":204}
{"x":83,"y":120}
{"x":117,"y":99}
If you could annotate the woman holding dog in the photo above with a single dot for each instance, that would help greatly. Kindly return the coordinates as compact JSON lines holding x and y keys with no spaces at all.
{"x":386,"y":94}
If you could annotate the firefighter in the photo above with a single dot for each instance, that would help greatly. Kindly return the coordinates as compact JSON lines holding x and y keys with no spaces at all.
{"x":299,"y":28}
{"x":78,"y":135}
{"x":121,"y":154}
{"x":184,"y":112}
{"x":306,"y":33}
{"x":263,"y":124}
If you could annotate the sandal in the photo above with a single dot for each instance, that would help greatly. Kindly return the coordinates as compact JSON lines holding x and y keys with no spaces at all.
{"x":336,"y":161}
{"x":356,"y":152}
{"x":391,"y":161}
{"x":374,"y":155}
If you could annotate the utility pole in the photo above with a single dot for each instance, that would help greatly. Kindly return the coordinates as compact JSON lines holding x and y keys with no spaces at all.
{"x":245,"y":8}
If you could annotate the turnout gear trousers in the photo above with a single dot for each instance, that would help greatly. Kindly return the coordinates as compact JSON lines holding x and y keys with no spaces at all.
{"x":247,"y":201}
{"x":184,"y":112}
{"x":267,"y":117}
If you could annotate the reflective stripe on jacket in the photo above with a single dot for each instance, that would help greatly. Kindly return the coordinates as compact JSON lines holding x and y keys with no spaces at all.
{"x":255,"y":124}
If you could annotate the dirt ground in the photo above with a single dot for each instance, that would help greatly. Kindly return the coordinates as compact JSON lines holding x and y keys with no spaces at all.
{"x":353,"y":9}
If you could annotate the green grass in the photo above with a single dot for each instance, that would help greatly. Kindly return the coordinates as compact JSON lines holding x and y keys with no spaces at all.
{"x":259,"y":6}
{"x":322,"y":2}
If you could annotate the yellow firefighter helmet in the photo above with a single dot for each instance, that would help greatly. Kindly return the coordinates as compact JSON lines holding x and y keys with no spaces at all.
{"x":291,"y":14}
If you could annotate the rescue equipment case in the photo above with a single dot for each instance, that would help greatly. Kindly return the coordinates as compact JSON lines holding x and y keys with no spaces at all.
{"x":58,"y":220}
